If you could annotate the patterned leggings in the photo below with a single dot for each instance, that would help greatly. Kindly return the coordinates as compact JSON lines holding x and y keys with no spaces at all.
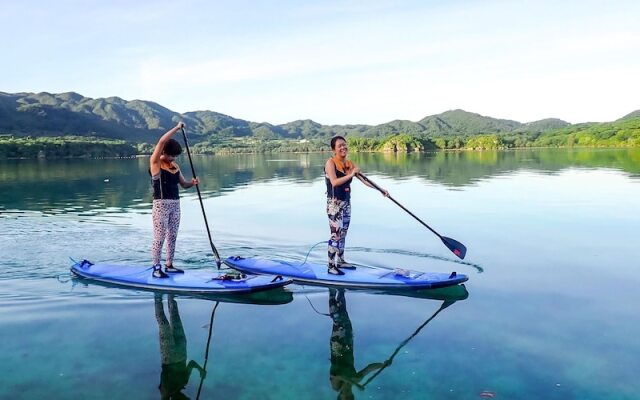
{"x":166,"y":221}
{"x":173,"y":342}
{"x":339,"y":213}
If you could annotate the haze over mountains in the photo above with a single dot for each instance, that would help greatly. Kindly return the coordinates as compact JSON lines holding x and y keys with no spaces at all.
{"x":46,"y":114}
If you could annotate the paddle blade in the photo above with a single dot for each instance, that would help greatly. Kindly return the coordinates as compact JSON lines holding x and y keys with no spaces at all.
{"x":456,"y":247}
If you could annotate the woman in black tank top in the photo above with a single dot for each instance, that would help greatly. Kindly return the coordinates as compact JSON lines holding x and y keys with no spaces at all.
{"x":165,"y":177}
{"x":339,"y":172}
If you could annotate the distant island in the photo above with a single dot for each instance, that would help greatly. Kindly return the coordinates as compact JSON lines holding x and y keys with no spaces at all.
{"x":71,"y":125}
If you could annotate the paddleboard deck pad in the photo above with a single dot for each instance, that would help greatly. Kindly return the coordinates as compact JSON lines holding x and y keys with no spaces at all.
{"x":361,"y":277}
{"x":191,"y":281}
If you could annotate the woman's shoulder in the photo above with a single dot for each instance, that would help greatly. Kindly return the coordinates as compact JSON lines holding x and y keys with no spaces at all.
{"x":329,"y":165}
{"x":173,"y":167}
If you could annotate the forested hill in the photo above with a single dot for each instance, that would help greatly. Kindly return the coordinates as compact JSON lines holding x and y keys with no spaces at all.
{"x":46,"y":114}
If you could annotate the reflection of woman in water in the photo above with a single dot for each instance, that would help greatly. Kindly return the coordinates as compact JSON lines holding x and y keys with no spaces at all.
{"x":173,"y":350}
{"x":343,"y":374}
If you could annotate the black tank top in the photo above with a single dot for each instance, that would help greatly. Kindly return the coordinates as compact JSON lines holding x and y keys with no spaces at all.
{"x":167,"y":186}
{"x":341,"y":192}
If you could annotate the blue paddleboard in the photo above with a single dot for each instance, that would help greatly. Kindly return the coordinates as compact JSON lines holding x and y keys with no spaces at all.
{"x":191,"y":281}
{"x":362,"y":277}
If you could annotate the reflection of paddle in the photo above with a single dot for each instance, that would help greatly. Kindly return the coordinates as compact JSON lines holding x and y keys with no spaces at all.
{"x":193,"y":172}
{"x":444,"y":305}
{"x":456,"y":247}
{"x":206,"y":354}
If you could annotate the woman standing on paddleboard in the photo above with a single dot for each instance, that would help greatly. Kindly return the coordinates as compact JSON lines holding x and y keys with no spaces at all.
{"x":165,"y":177}
{"x":339,"y":173}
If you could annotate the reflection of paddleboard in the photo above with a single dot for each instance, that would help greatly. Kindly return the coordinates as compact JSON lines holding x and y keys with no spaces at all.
{"x":191,"y":281}
{"x":448,"y":293}
{"x":272,"y":297}
{"x":361,"y":277}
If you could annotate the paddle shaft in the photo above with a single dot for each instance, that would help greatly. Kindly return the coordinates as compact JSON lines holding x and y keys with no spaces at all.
{"x":206,"y":354}
{"x":407,"y":340}
{"x":456,"y":247}
{"x":398,"y":204}
{"x":204,"y":214}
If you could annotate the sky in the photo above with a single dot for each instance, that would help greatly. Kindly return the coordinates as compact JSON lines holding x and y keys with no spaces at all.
{"x":335,"y":62}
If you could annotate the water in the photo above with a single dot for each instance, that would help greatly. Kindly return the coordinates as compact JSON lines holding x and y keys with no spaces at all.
{"x":550,"y":310}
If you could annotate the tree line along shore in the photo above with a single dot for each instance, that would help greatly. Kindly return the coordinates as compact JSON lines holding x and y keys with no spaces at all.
{"x":616,"y":134}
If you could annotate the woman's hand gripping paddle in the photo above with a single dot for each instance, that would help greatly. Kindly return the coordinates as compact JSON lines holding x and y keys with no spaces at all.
{"x":456,"y":247}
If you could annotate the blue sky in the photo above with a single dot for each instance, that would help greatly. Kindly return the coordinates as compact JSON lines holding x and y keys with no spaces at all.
{"x":335,"y":62}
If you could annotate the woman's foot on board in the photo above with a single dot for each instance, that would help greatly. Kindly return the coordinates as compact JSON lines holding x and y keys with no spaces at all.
{"x":170,"y":269}
{"x":333,"y":270}
{"x":345,"y":264}
{"x":158,"y":273}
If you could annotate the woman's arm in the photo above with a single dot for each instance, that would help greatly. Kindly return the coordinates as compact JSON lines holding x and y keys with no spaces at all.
{"x":384,"y":191}
{"x":370,"y":368}
{"x":330,"y":168}
{"x":187,"y":184}
{"x":365,"y":182}
{"x":157,"y":151}
{"x":193,"y":364}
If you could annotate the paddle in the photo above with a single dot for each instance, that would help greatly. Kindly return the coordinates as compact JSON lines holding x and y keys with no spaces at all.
{"x":193,"y":172}
{"x":456,"y":247}
{"x":206,"y":354}
{"x":388,"y":362}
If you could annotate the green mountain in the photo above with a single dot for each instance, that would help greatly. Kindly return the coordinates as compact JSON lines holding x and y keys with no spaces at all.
{"x":45,"y":114}
{"x":631,"y":115}
{"x":395,"y":127}
{"x":71,"y":114}
{"x":303,"y":129}
{"x":544,"y":125}
{"x":460,"y":122}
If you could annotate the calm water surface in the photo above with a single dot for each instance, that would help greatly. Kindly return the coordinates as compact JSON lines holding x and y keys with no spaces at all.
{"x":549,"y":311}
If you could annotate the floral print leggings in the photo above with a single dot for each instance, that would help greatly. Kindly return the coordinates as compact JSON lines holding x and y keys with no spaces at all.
{"x":339,"y":214}
{"x":166,"y":221}
{"x":173,"y":342}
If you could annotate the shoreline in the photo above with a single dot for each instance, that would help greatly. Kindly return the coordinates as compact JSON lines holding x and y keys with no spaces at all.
{"x":228,"y":153}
